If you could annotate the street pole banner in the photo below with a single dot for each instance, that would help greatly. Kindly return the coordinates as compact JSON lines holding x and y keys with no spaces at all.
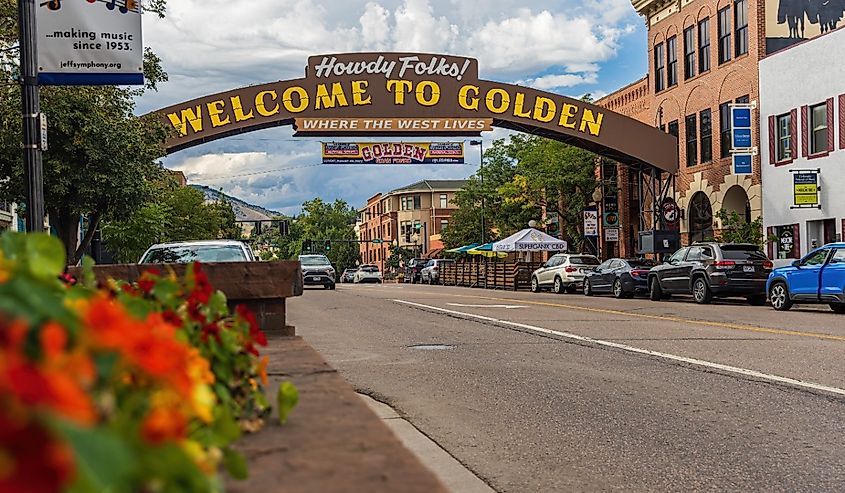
{"x":393,"y":153}
{"x":90,"y":42}
{"x":591,"y":223}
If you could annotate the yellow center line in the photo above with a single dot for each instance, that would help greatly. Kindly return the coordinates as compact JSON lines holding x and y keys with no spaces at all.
{"x":666,"y":318}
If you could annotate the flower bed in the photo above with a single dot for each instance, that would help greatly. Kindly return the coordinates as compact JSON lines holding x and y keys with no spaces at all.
{"x":122,"y":387}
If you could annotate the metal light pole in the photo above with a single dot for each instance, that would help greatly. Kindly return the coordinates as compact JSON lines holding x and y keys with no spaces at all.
{"x":480,"y":145}
{"x":33,"y":168}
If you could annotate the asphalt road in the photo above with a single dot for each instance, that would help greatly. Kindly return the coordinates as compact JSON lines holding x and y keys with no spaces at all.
{"x":544,"y":392}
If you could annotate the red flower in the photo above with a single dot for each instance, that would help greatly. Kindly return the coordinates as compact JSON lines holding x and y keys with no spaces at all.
{"x":67,"y":279}
{"x":37,"y":462}
{"x":164,"y":425}
{"x":202,"y":288}
{"x":255,"y":333}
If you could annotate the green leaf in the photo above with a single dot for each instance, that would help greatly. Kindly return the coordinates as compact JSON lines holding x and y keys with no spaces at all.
{"x":286,"y":399}
{"x":235,"y":464}
{"x":88,"y":278}
{"x":103,"y":461}
{"x":45,"y":256}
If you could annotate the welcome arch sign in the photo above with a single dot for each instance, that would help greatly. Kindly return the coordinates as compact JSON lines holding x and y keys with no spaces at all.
{"x":412,"y":94}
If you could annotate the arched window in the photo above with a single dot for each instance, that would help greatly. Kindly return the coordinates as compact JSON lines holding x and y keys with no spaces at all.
{"x":700,"y":218}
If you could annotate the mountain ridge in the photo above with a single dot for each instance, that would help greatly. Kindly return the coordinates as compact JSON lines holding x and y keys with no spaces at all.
{"x":244,"y":211}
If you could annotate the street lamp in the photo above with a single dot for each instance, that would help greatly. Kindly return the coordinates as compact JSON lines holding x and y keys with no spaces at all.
{"x":480,"y":145}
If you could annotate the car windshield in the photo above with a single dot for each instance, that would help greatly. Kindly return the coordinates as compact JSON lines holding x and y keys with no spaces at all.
{"x":583,"y":260}
{"x":194,"y":253}
{"x":318,"y":260}
{"x":369,"y":268}
{"x":742,"y":253}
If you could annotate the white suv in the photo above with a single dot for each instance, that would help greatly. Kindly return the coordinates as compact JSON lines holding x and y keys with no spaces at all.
{"x":184,"y":252}
{"x":563,"y":272}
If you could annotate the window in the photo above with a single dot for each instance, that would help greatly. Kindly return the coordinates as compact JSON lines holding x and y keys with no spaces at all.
{"x":743,"y":99}
{"x":659,"y":68}
{"x":706,"y":129}
{"x":817,"y":258}
{"x":818,"y":128}
{"x":444,"y":201}
{"x":692,"y":143}
{"x":741,"y":27}
{"x":678,"y":256}
{"x":783,"y":136}
{"x":672,"y":51}
{"x":704,"y":45}
{"x":443,"y":224}
{"x":724,"y":35}
{"x":417,"y":202}
{"x":724,"y":130}
{"x":838,"y":256}
{"x":673,"y":128}
{"x":694,"y":254}
{"x":689,"y":52}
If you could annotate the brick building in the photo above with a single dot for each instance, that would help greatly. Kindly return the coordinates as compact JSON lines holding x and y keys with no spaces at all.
{"x":703,"y":56}
{"x":411,"y":217}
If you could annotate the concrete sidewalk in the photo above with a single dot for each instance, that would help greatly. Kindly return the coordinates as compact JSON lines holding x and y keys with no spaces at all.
{"x":448,"y":470}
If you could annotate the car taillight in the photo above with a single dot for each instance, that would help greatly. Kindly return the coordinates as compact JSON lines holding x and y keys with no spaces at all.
{"x":768,"y":265}
{"x":724,"y":264}
{"x":570,"y":269}
{"x":639,"y":273}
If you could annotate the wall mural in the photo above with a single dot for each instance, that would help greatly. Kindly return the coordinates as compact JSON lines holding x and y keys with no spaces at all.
{"x":792,"y":21}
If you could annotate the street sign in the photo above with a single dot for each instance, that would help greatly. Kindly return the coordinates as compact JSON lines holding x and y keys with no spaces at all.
{"x":742,"y":164}
{"x":611,"y":219}
{"x":377,"y":241}
{"x":591,"y":223}
{"x":42,"y":123}
{"x":806,"y":188}
{"x":90,"y":43}
{"x":611,"y":234}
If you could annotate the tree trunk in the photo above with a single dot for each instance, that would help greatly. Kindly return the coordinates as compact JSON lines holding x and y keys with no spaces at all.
{"x":93,"y":224}
{"x":67,"y":226}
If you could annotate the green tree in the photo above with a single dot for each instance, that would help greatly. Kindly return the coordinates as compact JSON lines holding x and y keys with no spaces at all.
{"x":177,"y":214}
{"x":101,"y":157}
{"x":736,"y":230}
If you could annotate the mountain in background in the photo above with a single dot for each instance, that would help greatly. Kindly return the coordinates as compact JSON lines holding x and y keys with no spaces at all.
{"x":244,"y":211}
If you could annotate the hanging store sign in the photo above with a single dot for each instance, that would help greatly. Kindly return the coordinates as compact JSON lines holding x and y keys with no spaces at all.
{"x":393,"y":153}
{"x":742,"y":164}
{"x":90,"y":42}
{"x":611,"y":234}
{"x":450,"y":126}
{"x":806,"y":188}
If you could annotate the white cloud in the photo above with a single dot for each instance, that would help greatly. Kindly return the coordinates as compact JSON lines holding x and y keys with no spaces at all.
{"x":547,"y":82}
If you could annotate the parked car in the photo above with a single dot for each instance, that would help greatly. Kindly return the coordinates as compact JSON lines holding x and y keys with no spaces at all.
{"x":185,"y":252}
{"x":817,"y":278}
{"x":413,"y":269}
{"x":563,"y":272}
{"x":431,"y":272}
{"x":367,"y":273}
{"x":348,"y":275}
{"x":709,"y":269}
{"x":621,"y":277}
{"x":317,"y":270}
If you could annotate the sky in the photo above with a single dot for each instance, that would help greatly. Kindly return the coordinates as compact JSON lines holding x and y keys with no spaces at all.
{"x":569,"y":47}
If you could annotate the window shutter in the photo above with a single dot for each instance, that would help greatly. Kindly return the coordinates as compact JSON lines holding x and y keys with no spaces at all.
{"x":830,"y":126}
{"x":793,"y":133}
{"x":805,"y":132}
{"x":842,"y":126}
{"x":769,"y":232}
{"x":796,"y":241}
{"x":772,"y":155}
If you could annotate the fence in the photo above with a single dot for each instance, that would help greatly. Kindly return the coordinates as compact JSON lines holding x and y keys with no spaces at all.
{"x":490,"y":274}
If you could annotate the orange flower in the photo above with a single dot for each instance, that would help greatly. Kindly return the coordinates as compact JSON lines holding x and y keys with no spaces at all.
{"x":53,"y":339}
{"x":164,"y":425}
{"x":262,"y":370}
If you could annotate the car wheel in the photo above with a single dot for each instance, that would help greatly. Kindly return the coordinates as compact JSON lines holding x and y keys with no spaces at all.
{"x":779,"y":295}
{"x":535,"y":285}
{"x":655,"y":293}
{"x":838,"y":307}
{"x":558,"y":287}
{"x":331,"y":286}
{"x":588,"y":288}
{"x":618,"y":292}
{"x":757,"y":300}
{"x":701,"y":291}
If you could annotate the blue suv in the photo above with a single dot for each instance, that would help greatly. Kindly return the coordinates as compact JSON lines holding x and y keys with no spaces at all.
{"x":817,"y":278}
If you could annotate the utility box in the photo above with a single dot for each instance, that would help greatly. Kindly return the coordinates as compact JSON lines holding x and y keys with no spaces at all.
{"x":659,"y":241}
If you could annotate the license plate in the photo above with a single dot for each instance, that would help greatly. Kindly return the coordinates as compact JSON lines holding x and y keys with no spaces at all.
{"x":315,"y":278}
{"x":748,"y":268}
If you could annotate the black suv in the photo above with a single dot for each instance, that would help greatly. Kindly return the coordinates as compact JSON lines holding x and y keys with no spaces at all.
{"x":708,"y":270}
{"x":413,"y":270}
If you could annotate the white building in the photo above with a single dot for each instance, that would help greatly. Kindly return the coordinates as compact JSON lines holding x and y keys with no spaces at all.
{"x":802,"y":99}
{"x":9,"y":220}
